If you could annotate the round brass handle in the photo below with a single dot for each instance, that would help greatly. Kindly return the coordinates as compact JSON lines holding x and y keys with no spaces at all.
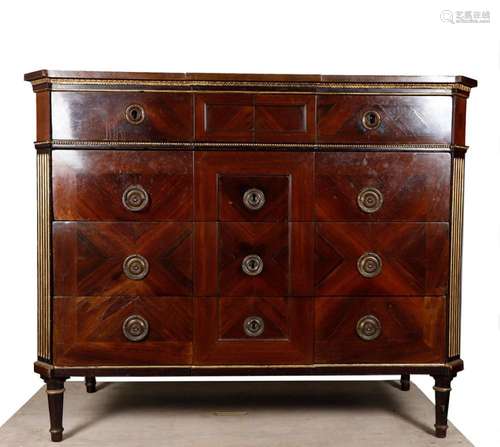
{"x":254,"y":199}
{"x":369,"y":265}
{"x":253,"y":326}
{"x":135,"y":328}
{"x":369,"y":327}
{"x":371,"y":120}
{"x":135,"y":198}
{"x":135,"y":114}
{"x":252,"y":265}
{"x":370,"y":200}
{"x":135,"y":267}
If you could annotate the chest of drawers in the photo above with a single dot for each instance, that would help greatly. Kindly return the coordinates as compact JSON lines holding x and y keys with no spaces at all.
{"x":200,"y":224}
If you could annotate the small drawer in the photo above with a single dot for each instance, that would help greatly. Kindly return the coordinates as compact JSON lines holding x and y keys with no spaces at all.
{"x":255,"y":331}
{"x":122,"y":259}
{"x":123,"y":331}
{"x":381,"y":119}
{"x":122,"y":185}
{"x":381,"y":259}
{"x":382,"y":186}
{"x":380,"y":330}
{"x":122,"y":116}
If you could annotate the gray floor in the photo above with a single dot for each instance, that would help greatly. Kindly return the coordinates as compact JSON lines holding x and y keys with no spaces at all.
{"x":235,"y":414}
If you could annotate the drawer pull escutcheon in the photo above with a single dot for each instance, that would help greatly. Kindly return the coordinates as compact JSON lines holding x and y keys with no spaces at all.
{"x":254,"y":199}
{"x":369,"y":265}
{"x":135,"y":114}
{"x":371,"y":120}
{"x":135,"y":267}
{"x":252,"y":265}
{"x":135,"y":198}
{"x":370,"y":200}
{"x":253,"y":326}
{"x":369,"y":327}
{"x":135,"y":328}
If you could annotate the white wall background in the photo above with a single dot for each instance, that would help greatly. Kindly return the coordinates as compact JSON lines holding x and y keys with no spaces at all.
{"x":255,"y":36}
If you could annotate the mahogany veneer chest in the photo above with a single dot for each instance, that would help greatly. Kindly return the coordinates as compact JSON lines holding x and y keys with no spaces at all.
{"x":248,"y":224}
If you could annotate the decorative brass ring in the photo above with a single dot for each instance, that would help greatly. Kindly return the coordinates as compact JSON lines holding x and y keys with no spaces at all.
{"x":135,"y":114}
{"x":253,"y":326}
{"x":254,"y":199}
{"x":370,"y":200}
{"x":369,"y":265}
{"x":135,"y":198}
{"x":135,"y":267}
{"x":371,"y":120}
{"x":369,"y":327}
{"x":135,"y":328}
{"x":252,"y":265}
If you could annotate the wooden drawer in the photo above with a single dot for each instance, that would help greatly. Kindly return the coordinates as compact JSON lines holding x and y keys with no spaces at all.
{"x":369,"y":119}
{"x":122,"y":116}
{"x":253,"y":330}
{"x":380,"y":330}
{"x":122,"y":185}
{"x":122,"y":259}
{"x":377,"y":186}
{"x":381,"y":258}
{"x":94,"y":331}
{"x":254,"y":259}
{"x":255,"y":118}
{"x":222,"y":178}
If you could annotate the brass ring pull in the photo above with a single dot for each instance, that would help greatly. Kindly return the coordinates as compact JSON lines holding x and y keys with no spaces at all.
{"x":135,"y":114}
{"x":135,"y":328}
{"x":371,"y":120}
{"x":252,"y":265}
{"x":369,"y":265}
{"x":135,"y":267}
{"x":254,"y":199}
{"x":135,"y":198}
{"x":253,"y":326}
{"x":369,"y":328}
{"x":370,"y":200}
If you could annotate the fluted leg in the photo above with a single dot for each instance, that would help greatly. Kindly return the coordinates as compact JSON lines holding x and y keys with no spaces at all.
{"x":405,"y":382}
{"x":442,"y":389}
{"x":55,"y":394}
{"x":90,"y":383}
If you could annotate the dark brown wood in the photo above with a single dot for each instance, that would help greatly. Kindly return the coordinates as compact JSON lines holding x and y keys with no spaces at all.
{"x":405,"y":382}
{"x":442,"y":390}
{"x":55,"y":395}
{"x":90,"y":384}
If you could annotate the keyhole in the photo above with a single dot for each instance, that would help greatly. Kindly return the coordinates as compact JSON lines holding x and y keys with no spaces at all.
{"x":254,"y":325}
{"x":134,"y":114}
{"x":371,"y":120}
{"x":253,"y":264}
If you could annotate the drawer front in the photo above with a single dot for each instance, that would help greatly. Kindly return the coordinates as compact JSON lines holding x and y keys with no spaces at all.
{"x":222,"y":178}
{"x":365,"y":119}
{"x":380,"y":330}
{"x":254,"y":259}
{"x":122,"y":185}
{"x":249,"y":118}
{"x":381,"y":258}
{"x":255,"y":331}
{"x":123,"y":331}
{"x":122,"y":259}
{"x":122,"y":116}
{"x":378,"y":186}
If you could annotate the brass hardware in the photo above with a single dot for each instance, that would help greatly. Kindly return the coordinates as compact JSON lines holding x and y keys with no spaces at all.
{"x":441,"y":389}
{"x":52,"y":392}
{"x":135,"y":328}
{"x":135,"y":114}
{"x":135,"y":267}
{"x":135,"y":198}
{"x":253,"y":326}
{"x":370,"y":200}
{"x":369,"y":265}
{"x":371,"y":120}
{"x":369,"y":327}
{"x":254,"y":199}
{"x":252,"y":265}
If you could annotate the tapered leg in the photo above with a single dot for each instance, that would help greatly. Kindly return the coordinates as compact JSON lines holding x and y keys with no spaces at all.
{"x":442,"y":389}
{"x":90,"y":383}
{"x":55,"y":394}
{"x":405,"y":382}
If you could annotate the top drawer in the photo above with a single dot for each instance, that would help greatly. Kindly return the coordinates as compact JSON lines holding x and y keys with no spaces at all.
{"x":129,"y":116}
